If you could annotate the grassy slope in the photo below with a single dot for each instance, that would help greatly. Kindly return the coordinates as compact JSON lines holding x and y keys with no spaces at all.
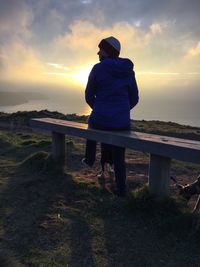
{"x":50,"y":218}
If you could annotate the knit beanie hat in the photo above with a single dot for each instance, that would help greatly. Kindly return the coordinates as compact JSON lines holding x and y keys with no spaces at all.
{"x":111,"y":46}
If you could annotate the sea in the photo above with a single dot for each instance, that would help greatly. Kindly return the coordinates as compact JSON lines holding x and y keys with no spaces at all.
{"x":155,"y":106}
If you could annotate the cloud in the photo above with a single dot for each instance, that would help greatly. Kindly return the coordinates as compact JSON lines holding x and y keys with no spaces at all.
{"x":158,"y":58}
{"x":80,"y":44}
{"x":20,"y":63}
{"x":58,"y":66}
{"x":185,"y":13}
{"x":195,"y":51}
{"x":154,"y":52}
{"x":159,"y":36}
{"x":15,"y":19}
{"x":86,"y":2}
{"x":156,"y":28}
{"x":190,"y":61}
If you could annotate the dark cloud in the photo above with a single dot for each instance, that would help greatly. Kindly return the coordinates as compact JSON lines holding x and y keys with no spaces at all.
{"x":184,"y":12}
{"x":15,"y":19}
{"x":47,"y":19}
{"x":52,"y":18}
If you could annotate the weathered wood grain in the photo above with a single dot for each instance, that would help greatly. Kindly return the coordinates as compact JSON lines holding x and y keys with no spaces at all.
{"x":170,"y":147}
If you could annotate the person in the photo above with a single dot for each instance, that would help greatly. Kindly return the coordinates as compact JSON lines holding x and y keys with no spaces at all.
{"x":111,"y":92}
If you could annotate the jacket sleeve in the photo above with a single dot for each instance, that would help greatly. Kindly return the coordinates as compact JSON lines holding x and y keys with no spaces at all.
{"x":133,"y":91}
{"x":90,"y":91}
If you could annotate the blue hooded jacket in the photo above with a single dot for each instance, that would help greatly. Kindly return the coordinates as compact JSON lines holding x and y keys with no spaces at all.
{"x":111,"y":92}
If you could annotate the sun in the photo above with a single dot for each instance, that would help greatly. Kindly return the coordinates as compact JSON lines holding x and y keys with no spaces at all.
{"x":77,"y":76}
{"x":82,"y":75}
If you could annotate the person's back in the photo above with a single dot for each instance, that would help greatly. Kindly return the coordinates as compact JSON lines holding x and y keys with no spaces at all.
{"x":115,"y":89}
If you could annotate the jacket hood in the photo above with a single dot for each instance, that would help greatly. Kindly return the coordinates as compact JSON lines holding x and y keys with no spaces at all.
{"x":118,"y":67}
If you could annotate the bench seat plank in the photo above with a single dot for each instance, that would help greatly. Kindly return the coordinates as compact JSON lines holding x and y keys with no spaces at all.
{"x":171,"y":147}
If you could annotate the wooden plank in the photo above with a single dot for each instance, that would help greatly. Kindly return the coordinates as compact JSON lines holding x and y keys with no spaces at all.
{"x":159,"y":175}
{"x":180,"y":149}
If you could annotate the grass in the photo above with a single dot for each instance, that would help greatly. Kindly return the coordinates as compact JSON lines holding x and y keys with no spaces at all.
{"x":177,"y":216}
{"x":54,"y":217}
{"x":167,"y":129}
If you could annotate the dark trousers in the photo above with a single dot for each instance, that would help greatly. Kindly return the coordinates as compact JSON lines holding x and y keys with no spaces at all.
{"x":106,"y":155}
{"x":110,"y":154}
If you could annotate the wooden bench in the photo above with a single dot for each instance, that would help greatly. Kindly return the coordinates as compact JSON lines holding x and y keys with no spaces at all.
{"x":161,"y":148}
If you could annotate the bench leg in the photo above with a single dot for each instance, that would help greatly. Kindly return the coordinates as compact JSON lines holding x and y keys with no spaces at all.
{"x":159,"y":175}
{"x":58,"y":147}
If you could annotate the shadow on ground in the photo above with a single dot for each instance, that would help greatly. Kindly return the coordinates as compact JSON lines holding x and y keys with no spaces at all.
{"x":50,"y":217}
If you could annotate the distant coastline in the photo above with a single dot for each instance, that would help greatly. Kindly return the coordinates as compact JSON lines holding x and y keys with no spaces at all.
{"x":70,"y":102}
{"x":18,"y":98}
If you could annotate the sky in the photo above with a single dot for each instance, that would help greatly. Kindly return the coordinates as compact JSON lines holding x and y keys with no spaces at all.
{"x":55,"y":42}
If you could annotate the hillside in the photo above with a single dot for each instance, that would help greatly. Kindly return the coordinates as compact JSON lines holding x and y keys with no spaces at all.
{"x":22,"y":118}
{"x":51,"y":217}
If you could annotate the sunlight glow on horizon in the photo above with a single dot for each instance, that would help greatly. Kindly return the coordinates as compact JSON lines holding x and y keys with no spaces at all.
{"x":79,"y":77}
